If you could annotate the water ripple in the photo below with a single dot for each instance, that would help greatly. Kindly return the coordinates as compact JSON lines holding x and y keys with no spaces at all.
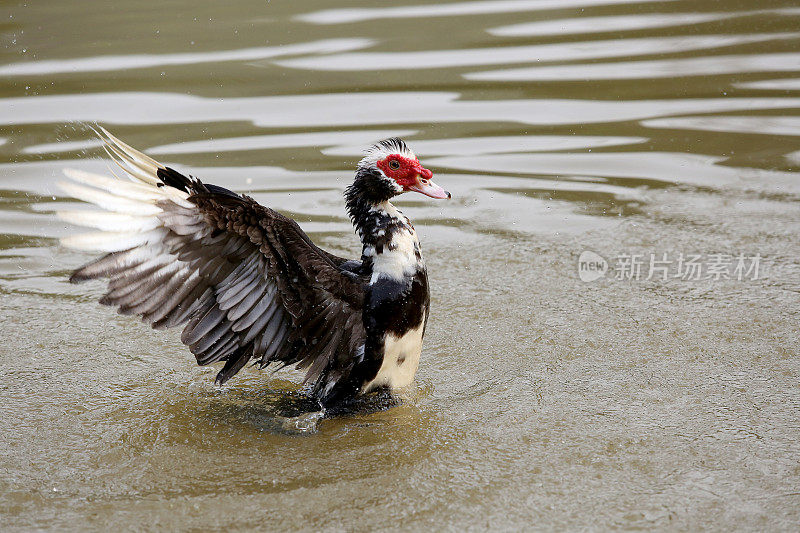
{"x":61,"y":146}
{"x":612,"y":404}
{"x":663,"y":68}
{"x":499,"y":145}
{"x":122,"y":62}
{"x":670,"y":168}
{"x":365,"y":61}
{"x":340,"y":16}
{"x":581,"y":25}
{"x":762,"y":125}
{"x":291,"y":140}
{"x":639,"y":21}
{"x":354,"y":109}
{"x":789,"y":84}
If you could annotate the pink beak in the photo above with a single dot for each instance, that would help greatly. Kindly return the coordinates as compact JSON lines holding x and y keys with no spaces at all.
{"x":424,"y":185}
{"x":430,"y":189}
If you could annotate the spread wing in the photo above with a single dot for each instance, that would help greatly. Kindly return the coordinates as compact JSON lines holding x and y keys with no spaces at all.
{"x":245,"y":281}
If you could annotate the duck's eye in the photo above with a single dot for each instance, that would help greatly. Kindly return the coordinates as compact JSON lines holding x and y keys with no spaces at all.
{"x":394,"y":164}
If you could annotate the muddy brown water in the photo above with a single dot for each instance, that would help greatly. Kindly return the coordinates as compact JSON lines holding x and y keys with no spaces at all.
{"x":662,"y":137}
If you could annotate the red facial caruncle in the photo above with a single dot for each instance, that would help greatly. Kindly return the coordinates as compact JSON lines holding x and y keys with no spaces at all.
{"x":411,"y":175}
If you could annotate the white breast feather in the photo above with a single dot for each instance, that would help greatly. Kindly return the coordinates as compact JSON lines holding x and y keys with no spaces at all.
{"x":400,"y":360}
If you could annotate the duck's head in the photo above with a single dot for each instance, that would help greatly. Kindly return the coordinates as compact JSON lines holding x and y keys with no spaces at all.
{"x":389,"y":168}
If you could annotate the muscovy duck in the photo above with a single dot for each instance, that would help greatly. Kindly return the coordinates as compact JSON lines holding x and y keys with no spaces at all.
{"x":248,"y":284}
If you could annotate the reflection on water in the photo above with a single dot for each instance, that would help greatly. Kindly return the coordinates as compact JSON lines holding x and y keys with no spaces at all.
{"x":356,"y":109}
{"x":62,"y":146}
{"x":777,"y":85}
{"x":573,"y":26}
{"x":118,"y":62}
{"x":499,"y":145}
{"x":622,"y":127}
{"x":699,"y":66}
{"x":339,"y":16}
{"x":291,"y":140}
{"x":691,"y":169}
{"x":763,"y":125}
{"x":364,"y":61}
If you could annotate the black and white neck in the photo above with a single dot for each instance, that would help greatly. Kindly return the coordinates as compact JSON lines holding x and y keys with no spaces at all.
{"x":391,"y":248}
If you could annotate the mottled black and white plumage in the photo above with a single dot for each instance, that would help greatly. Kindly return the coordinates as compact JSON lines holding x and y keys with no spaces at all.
{"x":247,"y":284}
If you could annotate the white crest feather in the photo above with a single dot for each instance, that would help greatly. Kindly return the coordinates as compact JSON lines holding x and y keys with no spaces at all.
{"x":382,"y":149}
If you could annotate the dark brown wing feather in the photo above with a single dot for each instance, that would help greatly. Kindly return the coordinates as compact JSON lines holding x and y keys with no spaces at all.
{"x":322,"y":304}
{"x":246,"y":281}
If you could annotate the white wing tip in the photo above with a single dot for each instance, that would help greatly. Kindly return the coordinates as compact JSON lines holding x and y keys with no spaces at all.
{"x":75,"y":174}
